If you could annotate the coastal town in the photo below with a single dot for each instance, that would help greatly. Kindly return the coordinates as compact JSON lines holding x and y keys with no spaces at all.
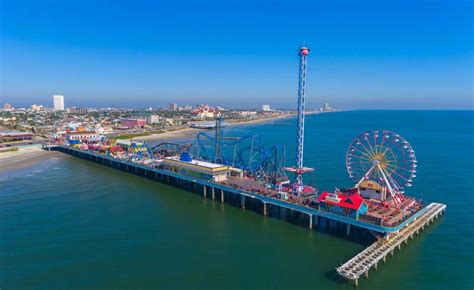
{"x":40,"y":123}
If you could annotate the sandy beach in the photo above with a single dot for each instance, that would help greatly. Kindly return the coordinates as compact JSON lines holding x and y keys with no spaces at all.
{"x":24,"y":157}
{"x":186,"y":133}
{"x":262,"y":120}
{"x":190,"y":133}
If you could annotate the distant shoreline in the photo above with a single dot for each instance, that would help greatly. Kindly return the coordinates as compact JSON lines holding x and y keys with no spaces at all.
{"x":189,"y":133}
{"x":28,"y":155}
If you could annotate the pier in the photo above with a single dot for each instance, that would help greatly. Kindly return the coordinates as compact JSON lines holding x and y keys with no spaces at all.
{"x":381,"y":163}
{"x":369,"y":258}
{"x":389,"y":238}
{"x":221,"y":192}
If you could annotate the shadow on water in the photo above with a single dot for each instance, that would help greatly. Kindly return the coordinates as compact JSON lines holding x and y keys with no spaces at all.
{"x":321,"y":225}
{"x":335,"y":277}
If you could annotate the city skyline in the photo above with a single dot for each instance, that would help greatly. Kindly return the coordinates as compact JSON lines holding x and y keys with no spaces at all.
{"x":364,"y":55}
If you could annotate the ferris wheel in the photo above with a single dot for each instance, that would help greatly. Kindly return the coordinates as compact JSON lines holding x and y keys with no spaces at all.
{"x":384,"y":157}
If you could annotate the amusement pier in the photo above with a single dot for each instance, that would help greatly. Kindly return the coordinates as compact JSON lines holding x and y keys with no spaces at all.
{"x":244,"y":172}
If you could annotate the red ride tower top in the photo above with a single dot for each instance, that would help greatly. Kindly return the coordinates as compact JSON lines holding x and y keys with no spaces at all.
{"x":304,"y":51}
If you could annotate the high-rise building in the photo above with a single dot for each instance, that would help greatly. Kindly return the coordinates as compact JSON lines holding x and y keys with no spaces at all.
{"x":7,"y":106}
{"x":173,"y":107}
{"x":326,"y":107}
{"x":266,"y":108}
{"x":58,"y":101}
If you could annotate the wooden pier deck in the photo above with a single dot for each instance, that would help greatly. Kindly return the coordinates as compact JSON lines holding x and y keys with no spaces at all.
{"x":371,"y":256}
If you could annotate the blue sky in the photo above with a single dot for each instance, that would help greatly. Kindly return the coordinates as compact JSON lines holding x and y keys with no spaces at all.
{"x":364,"y":54}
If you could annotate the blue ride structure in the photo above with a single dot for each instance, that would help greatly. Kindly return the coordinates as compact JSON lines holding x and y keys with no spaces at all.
{"x":247,"y":153}
{"x":137,"y":151}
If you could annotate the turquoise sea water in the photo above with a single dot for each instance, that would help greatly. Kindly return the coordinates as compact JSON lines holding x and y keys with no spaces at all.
{"x":70,"y":224}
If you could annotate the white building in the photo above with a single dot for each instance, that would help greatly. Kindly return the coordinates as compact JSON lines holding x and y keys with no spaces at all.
{"x":248,"y":113}
{"x":266,"y":108}
{"x":58,"y":101}
{"x":154,"y":119}
{"x":85,"y":135}
{"x":205,"y":111}
{"x":326,"y":107}
{"x":37,"y":107}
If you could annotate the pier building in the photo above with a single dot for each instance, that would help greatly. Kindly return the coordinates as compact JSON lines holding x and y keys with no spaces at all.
{"x":188,"y":166}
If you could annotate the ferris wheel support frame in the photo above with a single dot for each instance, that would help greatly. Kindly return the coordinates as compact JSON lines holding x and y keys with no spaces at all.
{"x":391,"y":162}
{"x":390,"y":188}
{"x":392,"y":191}
{"x":365,"y":176}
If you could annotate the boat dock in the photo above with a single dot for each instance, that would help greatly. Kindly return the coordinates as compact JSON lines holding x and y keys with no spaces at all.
{"x":369,"y":258}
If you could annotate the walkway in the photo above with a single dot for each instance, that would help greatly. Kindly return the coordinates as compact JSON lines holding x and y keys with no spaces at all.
{"x":365,"y":260}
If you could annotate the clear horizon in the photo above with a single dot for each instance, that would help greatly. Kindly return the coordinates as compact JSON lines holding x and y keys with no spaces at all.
{"x":364,"y":54}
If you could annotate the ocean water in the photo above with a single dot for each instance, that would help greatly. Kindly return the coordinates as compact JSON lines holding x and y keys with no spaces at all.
{"x":70,"y":224}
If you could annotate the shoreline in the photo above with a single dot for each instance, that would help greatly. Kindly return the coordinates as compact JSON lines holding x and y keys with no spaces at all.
{"x":24,"y":157}
{"x":190,"y":133}
{"x":28,"y":156}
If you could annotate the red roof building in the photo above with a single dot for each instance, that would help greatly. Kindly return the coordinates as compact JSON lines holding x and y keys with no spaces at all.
{"x":353,"y":201}
{"x":8,"y":136}
{"x":205,"y":111}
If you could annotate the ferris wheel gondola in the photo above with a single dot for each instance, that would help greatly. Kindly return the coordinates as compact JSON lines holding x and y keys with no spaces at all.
{"x":385,"y":158}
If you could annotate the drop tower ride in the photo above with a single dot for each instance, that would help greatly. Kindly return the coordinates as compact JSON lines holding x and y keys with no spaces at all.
{"x":299,"y":169}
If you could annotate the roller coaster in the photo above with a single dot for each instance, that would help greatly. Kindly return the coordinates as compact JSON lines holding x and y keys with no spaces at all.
{"x":167,"y":149}
{"x":136,"y":151}
{"x":247,"y":153}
